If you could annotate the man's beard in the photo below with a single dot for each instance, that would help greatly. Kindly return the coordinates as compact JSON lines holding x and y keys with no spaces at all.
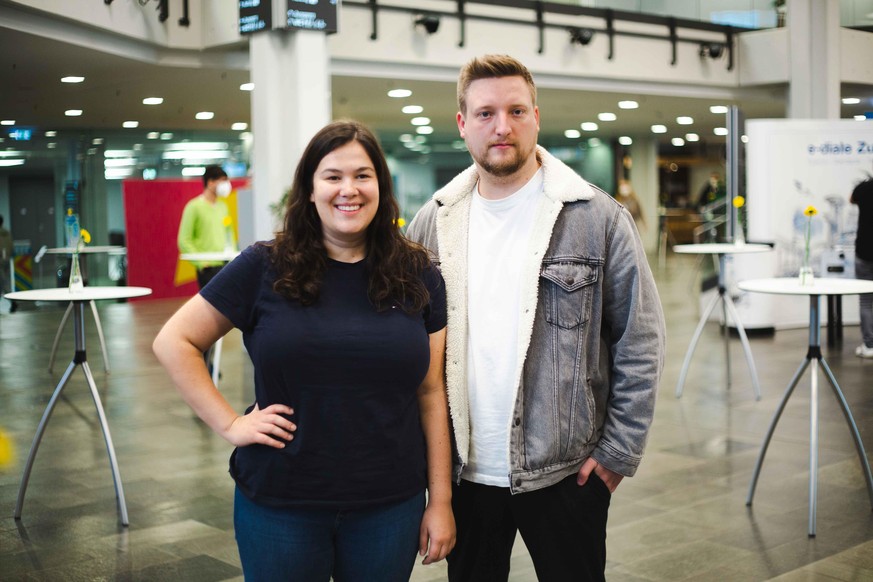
{"x":505,"y":167}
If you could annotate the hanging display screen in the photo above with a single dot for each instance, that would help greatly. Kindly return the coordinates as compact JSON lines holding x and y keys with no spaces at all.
{"x":255,"y":16}
{"x":312,"y":15}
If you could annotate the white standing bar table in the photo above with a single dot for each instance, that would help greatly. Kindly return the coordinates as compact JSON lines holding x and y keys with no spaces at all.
{"x":829,"y":287}
{"x":728,"y":307}
{"x":224,"y":257}
{"x":85,"y":250}
{"x":77,"y":301}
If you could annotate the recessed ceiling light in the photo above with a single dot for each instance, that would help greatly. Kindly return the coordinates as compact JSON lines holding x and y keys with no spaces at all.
{"x":247,"y":87}
{"x":119,"y":162}
{"x":744,"y":138}
{"x":152,"y":100}
{"x":625,"y":140}
{"x":720,"y":131}
{"x":606,"y":116}
{"x":153,"y":135}
{"x":167,"y":135}
{"x":51,"y":145}
{"x":420,"y":139}
{"x":718,"y":109}
{"x":239,"y":126}
{"x":73,"y":112}
{"x":193,"y":170}
{"x":588,"y":126}
{"x":684,"y":120}
{"x":51,"y":133}
{"x":459,"y":144}
{"x":7,"y":122}
{"x":204,"y":115}
{"x":72,"y":79}
{"x":851,"y":100}
{"x":573,"y":133}
{"x":420,"y":121}
{"x":692,"y":137}
{"x":593,"y":142}
{"x":137,"y":147}
{"x":399,"y":93}
{"x":628,"y":104}
{"x":413,"y":109}
{"x":860,"y":118}
{"x":130,"y":124}
{"x":424,"y":130}
{"x":678,"y":142}
{"x":97,"y":141}
{"x":405,"y":137}
{"x":118,"y":154}
{"x":658,"y":128}
{"x":5,"y":163}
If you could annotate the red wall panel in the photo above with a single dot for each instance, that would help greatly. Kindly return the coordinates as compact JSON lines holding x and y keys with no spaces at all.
{"x":152,"y":211}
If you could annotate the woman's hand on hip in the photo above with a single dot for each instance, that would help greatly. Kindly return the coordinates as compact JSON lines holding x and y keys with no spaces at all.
{"x":262,"y":427}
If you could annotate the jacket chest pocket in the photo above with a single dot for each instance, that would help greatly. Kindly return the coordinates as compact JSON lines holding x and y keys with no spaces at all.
{"x":566,"y":288}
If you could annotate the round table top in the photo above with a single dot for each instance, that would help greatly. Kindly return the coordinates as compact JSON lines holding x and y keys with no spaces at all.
{"x":85,"y":250}
{"x":721,"y":248}
{"x":820,"y":286}
{"x":225,"y":256}
{"x":86,"y":294}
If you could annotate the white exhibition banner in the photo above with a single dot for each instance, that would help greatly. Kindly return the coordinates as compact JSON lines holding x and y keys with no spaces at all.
{"x":790,"y":165}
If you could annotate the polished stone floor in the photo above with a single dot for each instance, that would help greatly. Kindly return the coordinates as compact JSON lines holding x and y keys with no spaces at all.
{"x":683,"y":517}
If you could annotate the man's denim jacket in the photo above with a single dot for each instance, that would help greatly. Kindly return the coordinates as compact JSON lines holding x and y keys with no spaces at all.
{"x":591,"y":330}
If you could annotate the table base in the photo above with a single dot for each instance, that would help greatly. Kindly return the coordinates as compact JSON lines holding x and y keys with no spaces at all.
{"x":814,"y":356}
{"x":727,"y":307}
{"x":79,"y":359}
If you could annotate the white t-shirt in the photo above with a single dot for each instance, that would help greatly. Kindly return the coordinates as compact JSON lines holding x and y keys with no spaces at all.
{"x":498,"y":237}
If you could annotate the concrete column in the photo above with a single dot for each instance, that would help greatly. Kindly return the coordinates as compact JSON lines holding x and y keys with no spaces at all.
{"x":290,"y":102}
{"x":814,"y":59}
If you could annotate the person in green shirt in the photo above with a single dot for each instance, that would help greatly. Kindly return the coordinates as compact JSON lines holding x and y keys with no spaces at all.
{"x":205,"y":225}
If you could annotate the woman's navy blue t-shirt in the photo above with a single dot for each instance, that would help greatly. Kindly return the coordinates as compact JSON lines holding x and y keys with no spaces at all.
{"x":351,"y":374}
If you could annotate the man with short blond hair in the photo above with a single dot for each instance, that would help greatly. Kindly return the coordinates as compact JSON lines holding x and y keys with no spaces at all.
{"x":555,"y":340}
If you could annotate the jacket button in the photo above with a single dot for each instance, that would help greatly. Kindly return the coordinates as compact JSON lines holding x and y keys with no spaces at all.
{"x":518,"y":482}
{"x":517,"y":421}
{"x":569,"y":281}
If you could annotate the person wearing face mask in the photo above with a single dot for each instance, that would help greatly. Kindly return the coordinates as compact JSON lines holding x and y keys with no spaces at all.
{"x":205,"y":227}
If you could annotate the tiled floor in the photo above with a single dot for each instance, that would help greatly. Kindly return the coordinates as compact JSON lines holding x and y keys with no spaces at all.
{"x":683,"y":517}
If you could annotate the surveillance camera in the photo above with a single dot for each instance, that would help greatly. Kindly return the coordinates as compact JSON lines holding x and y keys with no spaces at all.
{"x":581,"y":36}
{"x":430,"y":22}
{"x":713,"y":50}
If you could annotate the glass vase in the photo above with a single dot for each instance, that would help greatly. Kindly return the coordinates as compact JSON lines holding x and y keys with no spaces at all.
{"x":805,"y":276}
{"x":76,"y":282}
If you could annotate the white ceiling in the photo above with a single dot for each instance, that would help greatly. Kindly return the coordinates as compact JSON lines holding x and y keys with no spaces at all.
{"x":31,"y":94}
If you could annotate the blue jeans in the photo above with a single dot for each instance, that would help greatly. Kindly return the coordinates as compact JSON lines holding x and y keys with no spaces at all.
{"x":313,"y":544}
{"x":864,"y":270}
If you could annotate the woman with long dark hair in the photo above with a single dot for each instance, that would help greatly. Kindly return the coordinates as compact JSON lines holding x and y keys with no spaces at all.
{"x":344,"y":320}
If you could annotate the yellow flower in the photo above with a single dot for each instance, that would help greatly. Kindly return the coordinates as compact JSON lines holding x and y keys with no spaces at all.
{"x":738,"y":201}
{"x":810,"y":211}
{"x":86,"y":236}
{"x":227,"y":221}
{"x":400,"y":223}
{"x":7,"y":451}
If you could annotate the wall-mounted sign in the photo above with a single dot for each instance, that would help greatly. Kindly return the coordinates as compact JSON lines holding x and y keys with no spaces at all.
{"x":20,"y":134}
{"x":255,"y":16}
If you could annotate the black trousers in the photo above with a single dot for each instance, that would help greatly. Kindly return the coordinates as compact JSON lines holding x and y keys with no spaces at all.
{"x":206,"y":274}
{"x":563,"y":527}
